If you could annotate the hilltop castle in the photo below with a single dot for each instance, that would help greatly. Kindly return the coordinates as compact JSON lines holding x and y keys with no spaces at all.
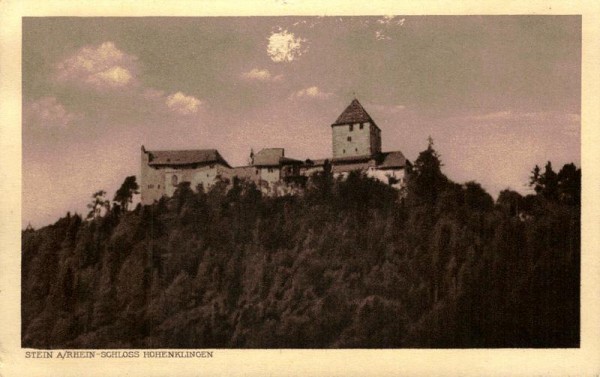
{"x":356,"y":145}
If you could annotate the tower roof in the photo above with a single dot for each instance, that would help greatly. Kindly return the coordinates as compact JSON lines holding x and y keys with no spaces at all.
{"x":354,"y":113}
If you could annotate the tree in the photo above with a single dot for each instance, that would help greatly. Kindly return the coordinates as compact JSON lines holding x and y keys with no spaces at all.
{"x":535,"y":180}
{"x":550,"y":183}
{"x":124,"y":194}
{"x":564,"y":186}
{"x":476,"y":198}
{"x":569,"y":184}
{"x":427,"y":179}
{"x":511,"y":202}
{"x":98,"y":202}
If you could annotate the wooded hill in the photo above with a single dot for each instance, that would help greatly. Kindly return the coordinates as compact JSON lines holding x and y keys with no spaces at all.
{"x":348,"y":264}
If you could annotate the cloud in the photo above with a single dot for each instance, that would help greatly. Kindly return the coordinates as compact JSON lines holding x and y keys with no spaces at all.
{"x":48,"y":112}
{"x":285,"y":46}
{"x":183,"y":104}
{"x":311,"y":92}
{"x":101,"y":67}
{"x":261,"y":75}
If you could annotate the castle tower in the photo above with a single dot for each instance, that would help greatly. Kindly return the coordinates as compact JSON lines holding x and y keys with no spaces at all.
{"x":354,"y":133}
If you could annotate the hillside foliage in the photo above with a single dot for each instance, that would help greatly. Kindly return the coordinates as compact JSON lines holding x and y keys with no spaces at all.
{"x":348,"y":264}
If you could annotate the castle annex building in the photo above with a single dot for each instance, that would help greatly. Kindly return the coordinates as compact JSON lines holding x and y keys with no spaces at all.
{"x":356,"y":145}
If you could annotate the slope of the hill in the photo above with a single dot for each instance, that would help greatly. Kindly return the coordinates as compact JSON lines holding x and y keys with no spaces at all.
{"x":348,"y":264}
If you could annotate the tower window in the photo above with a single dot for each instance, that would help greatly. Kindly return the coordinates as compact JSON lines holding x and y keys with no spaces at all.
{"x":349,"y":138}
{"x":351,"y":127}
{"x":344,"y":151}
{"x":174,"y":180}
{"x":362,"y":125}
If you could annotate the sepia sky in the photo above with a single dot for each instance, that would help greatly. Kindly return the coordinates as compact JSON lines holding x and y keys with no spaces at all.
{"x":497,"y":94}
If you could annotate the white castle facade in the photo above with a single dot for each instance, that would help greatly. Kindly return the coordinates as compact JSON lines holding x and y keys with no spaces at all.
{"x":356,"y":145}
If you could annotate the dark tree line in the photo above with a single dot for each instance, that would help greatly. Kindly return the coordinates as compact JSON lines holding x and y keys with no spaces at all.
{"x":347,"y":264}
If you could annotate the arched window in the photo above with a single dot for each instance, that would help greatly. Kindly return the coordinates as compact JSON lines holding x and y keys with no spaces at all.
{"x":174,"y":180}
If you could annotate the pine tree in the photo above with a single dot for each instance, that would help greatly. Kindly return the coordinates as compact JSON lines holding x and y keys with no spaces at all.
{"x":124,"y":194}
{"x":427,"y":179}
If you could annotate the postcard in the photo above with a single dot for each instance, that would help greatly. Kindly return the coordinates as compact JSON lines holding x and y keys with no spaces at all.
{"x":299,"y":189}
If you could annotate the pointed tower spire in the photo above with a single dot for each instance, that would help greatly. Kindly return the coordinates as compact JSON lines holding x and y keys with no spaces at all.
{"x":354,"y":113}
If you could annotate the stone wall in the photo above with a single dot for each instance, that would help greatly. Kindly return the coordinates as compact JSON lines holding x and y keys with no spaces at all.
{"x":269,"y":174}
{"x":152,"y":182}
{"x":348,"y":143}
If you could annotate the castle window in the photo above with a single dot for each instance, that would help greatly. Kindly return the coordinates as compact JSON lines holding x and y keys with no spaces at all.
{"x":362,"y":125}
{"x":351,"y":127}
{"x":256,"y":171}
{"x":349,"y":138}
{"x":355,"y":149}
{"x":344,"y":151}
{"x":174,"y":180}
{"x":150,"y":186}
{"x":270,"y":170}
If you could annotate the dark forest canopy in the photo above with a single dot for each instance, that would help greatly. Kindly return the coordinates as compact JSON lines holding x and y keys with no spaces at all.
{"x":347,"y":264}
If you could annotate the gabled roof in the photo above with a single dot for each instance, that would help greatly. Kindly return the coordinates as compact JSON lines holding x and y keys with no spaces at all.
{"x":273,"y":157}
{"x":185,"y":157}
{"x":268,"y":157}
{"x":289,"y":161}
{"x":385,"y":160}
{"x":354,"y":113}
{"x":391,"y":160}
{"x":351,"y":159}
{"x":339,"y":160}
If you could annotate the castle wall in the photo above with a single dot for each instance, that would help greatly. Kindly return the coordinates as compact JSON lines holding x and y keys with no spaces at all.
{"x":375,"y":139}
{"x":203,"y":175}
{"x":344,"y":168}
{"x":397,"y":176}
{"x":269,"y":174}
{"x":348,"y":143}
{"x":157,"y":181}
{"x":308,"y":171}
{"x":248,"y":173}
{"x":152,"y":186}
